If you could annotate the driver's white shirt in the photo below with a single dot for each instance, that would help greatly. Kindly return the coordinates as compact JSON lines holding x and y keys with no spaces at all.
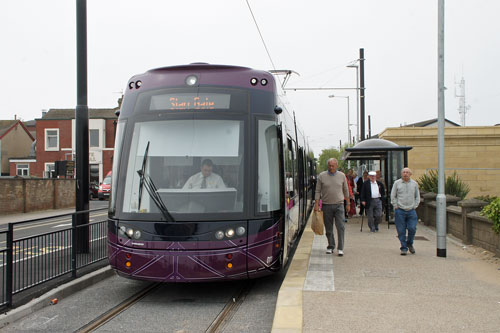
{"x":213,"y":181}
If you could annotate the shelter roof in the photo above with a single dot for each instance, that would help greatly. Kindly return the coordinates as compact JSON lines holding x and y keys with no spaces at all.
{"x":372,"y":149}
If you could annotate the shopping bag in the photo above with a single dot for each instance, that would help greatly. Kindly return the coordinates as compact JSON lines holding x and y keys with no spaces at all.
{"x":317,"y":225}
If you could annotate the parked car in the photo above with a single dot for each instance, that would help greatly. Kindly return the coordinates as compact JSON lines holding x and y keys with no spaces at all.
{"x":93,"y":190}
{"x":105,"y":187}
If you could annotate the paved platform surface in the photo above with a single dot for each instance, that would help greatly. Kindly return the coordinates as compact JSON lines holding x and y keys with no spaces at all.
{"x":372,"y":288}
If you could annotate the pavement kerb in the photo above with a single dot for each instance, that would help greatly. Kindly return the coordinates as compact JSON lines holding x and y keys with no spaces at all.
{"x":288,"y":313}
{"x":59,"y":293}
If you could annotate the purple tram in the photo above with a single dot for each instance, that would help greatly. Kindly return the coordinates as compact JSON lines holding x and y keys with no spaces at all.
{"x":212,"y":180}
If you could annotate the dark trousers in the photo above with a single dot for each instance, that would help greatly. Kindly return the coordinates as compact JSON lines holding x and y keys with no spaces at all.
{"x":374,"y":213}
{"x":362,"y":209}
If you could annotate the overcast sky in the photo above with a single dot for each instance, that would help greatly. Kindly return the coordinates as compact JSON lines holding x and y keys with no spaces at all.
{"x":315,"y":38}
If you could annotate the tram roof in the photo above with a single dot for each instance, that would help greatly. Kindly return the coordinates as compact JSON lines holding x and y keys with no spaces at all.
{"x":372,"y":149}
{"x":200,"y":66}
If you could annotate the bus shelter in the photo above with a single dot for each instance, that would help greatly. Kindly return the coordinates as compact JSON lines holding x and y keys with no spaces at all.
{"x":392,"y":159}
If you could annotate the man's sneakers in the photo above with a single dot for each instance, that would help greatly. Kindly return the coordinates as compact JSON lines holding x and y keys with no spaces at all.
{"x":410,"y":248}
{"x":330,"y":251}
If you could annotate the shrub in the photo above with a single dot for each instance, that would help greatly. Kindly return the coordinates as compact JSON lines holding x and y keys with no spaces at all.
{"x":428,"y":182}
{"x":492,"y":211}
{"x":453,"y":184}
{"x":456,"y":186}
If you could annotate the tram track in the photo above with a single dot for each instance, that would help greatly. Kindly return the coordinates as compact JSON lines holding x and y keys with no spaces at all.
{"x":217,"y":325}
{"x":230,"y":308}
{"x":112,"y":313}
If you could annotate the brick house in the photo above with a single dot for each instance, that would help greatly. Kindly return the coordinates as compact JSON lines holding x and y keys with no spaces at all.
{"x":15,"y":140}
{"x":55,"y":141}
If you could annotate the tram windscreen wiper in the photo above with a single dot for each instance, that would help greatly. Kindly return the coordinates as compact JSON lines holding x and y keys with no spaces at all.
{"x":147,"y":182}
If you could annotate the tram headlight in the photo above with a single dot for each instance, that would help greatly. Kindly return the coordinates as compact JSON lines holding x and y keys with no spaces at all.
{"x":130,"y":232}
{"x":219,"y":234}
{"x":137,"y":234}
{"x":263,"y":82}
{"x":122,"y":230}
{"x":191,"y":80}
{"x":240,"y":231}
{"x":229,"y":233}
{"x":254,"y":81}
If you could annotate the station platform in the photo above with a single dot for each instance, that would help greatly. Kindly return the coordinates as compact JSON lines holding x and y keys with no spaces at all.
{"x":372,"y":288}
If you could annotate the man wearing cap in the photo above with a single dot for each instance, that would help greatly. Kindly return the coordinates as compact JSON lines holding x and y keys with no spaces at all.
{"x":332,"y":189}
{"x":405,"y":198}
{"x":372,"y":195}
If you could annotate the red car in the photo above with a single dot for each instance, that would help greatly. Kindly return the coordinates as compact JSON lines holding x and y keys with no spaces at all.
{"x":105,"y":187}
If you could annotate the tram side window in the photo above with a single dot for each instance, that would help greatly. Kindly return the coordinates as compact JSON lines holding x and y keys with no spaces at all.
{"x":291,"y":168}
{"x":288,"y":169}
{"x":295,"y":167}
{"x":268,"y":194}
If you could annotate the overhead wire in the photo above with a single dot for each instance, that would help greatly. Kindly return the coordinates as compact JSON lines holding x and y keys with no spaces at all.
{"x":262,"y":38}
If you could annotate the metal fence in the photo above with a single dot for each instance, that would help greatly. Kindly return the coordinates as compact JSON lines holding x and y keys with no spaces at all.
{"x":31,"y":260}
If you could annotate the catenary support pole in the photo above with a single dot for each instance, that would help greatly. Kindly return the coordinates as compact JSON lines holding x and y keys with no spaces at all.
{"x":441,"y":197}
{"x":82,"y":127}
{"x":362,"y":92}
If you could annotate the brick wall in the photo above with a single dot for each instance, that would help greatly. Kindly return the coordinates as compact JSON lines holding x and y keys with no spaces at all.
{"x":22,"y":195}
{"x":469,"y":151}
{"x":65,"y":194}
{"x":454,"y":224}
{"x":11,"y":196}
{"x":482,"y":235}
{"x":465,"y":223}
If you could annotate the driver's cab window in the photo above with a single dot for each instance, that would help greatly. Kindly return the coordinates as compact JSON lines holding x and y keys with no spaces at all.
{"x":196,"y":166}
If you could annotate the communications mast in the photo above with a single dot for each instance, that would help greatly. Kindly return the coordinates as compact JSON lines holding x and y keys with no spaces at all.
{"x":462,"y":106}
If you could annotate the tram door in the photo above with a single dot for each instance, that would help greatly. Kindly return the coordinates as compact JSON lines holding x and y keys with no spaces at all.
{"x":301,"y":184}
{"x":292,"y":188}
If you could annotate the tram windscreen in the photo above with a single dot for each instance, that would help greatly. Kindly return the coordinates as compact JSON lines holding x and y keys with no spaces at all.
{"x":196,"y":166}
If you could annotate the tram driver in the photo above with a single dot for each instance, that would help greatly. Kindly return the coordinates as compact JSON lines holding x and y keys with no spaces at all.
{"x":205,"y":178}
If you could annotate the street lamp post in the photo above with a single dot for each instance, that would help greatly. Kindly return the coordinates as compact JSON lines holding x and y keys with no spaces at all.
{"x":348,"y":118}
{"x":357,"y":99}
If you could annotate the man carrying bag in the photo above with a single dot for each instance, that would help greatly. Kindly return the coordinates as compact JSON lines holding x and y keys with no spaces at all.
{"x":333,"y":190}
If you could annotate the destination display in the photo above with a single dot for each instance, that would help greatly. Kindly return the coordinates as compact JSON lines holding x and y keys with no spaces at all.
{"x":190,"y":101}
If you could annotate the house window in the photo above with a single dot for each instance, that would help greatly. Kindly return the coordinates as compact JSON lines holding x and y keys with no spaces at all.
{"x":50,"y":170}
{"x":51,"y":139}
{"x":22,"y":169}
{"x":94,"y":138}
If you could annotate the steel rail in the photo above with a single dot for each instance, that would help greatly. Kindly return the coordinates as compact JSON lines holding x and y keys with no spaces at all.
{"x":112,"y":313}
{"x":230,"y":308}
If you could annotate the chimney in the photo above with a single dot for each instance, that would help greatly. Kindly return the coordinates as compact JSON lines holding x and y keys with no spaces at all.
{"x":15,"y":117}
{"x":44,"y":112}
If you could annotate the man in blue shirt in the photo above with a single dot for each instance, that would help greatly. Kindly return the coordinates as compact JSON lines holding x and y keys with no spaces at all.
{"x":405,"y":198}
